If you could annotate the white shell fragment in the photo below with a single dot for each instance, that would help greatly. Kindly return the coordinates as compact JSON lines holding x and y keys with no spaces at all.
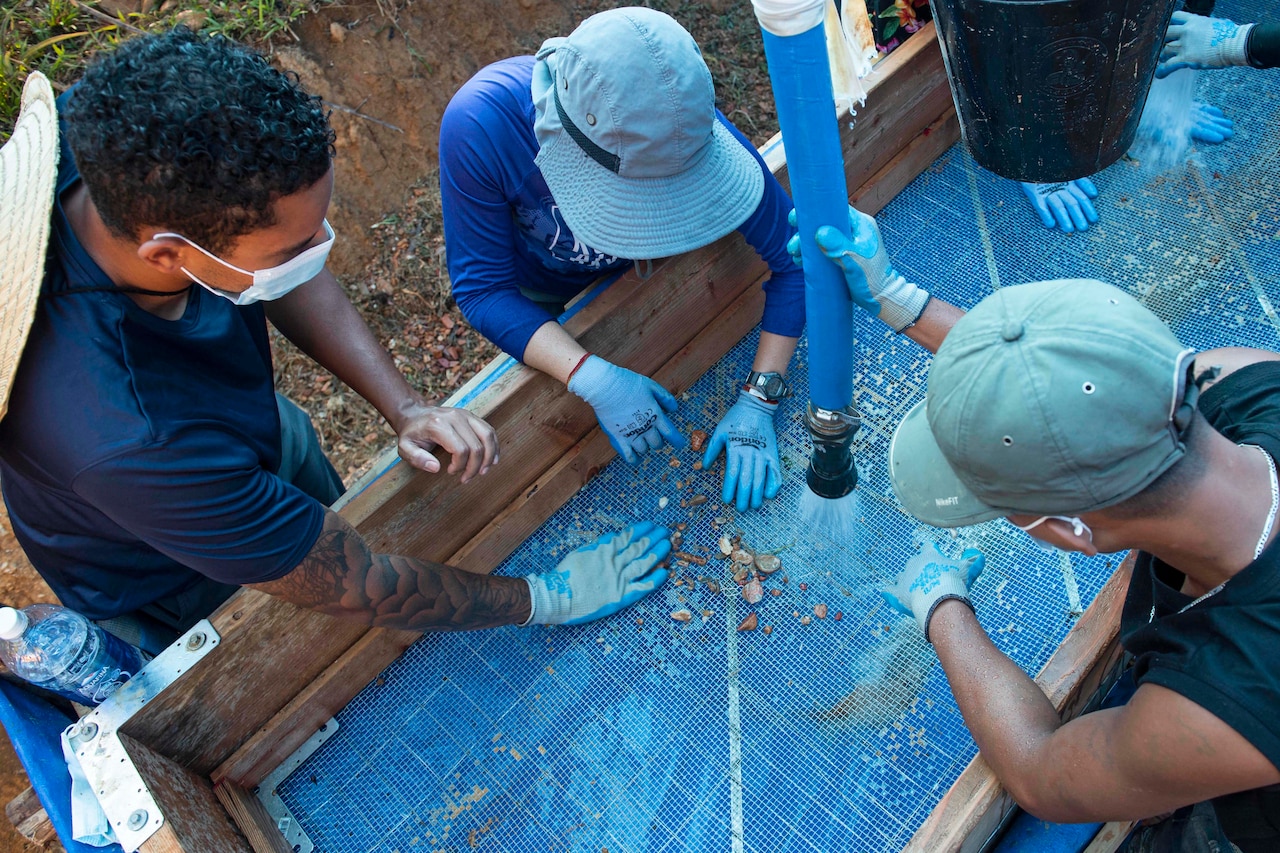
{"x":767,"y":564}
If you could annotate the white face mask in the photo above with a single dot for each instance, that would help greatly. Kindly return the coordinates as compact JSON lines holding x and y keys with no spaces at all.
{"x":1078,"y":527}
{"x":271,"y":283}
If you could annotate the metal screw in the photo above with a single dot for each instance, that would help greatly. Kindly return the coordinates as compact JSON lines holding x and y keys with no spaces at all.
{"x":88,"y":731}
{"x":196,"y":640}
{"x":138,"y":819}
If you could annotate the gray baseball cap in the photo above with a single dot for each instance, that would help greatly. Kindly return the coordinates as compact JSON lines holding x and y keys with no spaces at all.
{"x":628,"y":139}
{"x":1051,"y":398}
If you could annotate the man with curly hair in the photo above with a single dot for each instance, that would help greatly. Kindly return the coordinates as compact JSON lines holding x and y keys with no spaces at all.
{"x":148,"y":465}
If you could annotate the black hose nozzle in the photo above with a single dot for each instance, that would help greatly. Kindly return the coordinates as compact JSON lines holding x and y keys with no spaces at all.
{"x":832,"y":473}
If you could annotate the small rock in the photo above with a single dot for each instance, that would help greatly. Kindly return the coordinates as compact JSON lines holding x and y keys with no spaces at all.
{"x":768,"y":563}
{"x":337,"y":32}
{"x":697,"y":440}
{"x":775,"y":592}
{"x":706,"y":614}
{"x":713,"y":587}
{"x":697,"y":500}
{"x":726,"y":547}
{"x":681,"y":615}
{"x":663,"y":501}
{"x":740,"y":576}
{"x":803,"y":587}
{"x":674,"y":463}
{"x":753,"y":592}
{"x":697,"y":464}
{"x":749,"y":624}
{"x":838,"y":616}
{"x":767,"y":629}
{"x":192,"y":19}
{"x":743,"y":556}
{"x":820,"y":610}
{"x":805,"y":620}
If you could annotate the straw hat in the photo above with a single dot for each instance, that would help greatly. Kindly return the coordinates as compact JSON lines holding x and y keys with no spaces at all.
{"x":28,"y":173}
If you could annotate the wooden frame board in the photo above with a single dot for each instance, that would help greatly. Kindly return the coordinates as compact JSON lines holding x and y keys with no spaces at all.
{"x":280,"y":672}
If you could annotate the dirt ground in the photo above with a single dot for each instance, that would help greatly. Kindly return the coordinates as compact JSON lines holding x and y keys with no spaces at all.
{"x":388,"y":68}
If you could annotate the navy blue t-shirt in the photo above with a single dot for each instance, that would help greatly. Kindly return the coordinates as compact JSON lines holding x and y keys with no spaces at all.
{"x":504,"y":231}
{"x":139,"y":453}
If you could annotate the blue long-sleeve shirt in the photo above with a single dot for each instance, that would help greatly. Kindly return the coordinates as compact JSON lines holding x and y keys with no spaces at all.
{"x":503,"y":230}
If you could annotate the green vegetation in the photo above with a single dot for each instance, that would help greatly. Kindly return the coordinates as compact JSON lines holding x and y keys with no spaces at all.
{"x":58,"y":37}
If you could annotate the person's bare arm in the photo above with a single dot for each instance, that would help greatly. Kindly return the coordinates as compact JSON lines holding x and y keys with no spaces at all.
{"x":342,"y":577}
{"x":934,"y":324}
{"x":553,"y":351}
{"x":321,"y":321}
{"x":1229,"y":360}
{"x":1156,"y":754}
{"x":773,"y":353}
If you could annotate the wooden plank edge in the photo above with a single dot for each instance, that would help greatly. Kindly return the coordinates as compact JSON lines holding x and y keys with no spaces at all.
{"x":194,"y":820}
{"x":29,"y":818}
{"x":250,"y":816}
{"x":918,"y":155}
{"x":1110,"y":836}
{"x":973,"y":808}
{"x":282,"y":735}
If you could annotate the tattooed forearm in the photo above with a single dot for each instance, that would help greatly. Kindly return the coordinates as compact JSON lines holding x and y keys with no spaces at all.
{"x":342,"y":577}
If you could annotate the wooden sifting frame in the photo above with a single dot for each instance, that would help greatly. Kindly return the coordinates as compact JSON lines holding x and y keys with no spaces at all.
{"x":279,"y":672}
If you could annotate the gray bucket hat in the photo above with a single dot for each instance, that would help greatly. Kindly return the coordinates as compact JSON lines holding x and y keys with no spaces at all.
{"x":1052,"y":398}
{"x":629,"y":143}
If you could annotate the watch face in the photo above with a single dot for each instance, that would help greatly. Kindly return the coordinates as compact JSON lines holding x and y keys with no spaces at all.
{"x":774,"y":386}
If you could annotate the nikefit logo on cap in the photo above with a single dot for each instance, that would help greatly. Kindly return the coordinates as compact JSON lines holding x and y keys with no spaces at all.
{"x":954,"y":500}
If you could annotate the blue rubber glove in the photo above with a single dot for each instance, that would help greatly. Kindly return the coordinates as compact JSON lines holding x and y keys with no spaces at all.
{"x":1194,"y":41}
{"x":874,"y":285}
{"x":752,"y":471}
{"x":599,"y":579}
{"x":632,"y":409}
{"x":1210,"y":125}
{"x":1064,"y":204}
{"x":931,"y":577}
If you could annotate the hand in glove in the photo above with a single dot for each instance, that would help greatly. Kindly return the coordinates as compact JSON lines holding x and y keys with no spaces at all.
{"x":1194,"y":41}
{"x":752,"y":471}
{"x":930,"y":578}
{"x":874,"y":285}
{"x":1065,"y":204}
{"x":632,"y":409}
{"x":599,"y":579}
{"x":1209,"y":124}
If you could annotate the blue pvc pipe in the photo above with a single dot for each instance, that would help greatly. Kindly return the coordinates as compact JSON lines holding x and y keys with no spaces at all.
{"x":802,"y":90}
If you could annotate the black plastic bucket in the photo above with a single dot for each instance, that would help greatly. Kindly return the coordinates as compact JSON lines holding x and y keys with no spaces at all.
{"x":1050,"y":90}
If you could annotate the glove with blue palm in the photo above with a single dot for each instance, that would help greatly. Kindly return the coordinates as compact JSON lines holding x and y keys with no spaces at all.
{"x":599,"y":579}
{"x":930,"y":578}
{"x":632,"y":409}
{"x":752,"y":471}
{"x":874,"y":285}
{"x":1209,"y":124}
{"x":1066,"y":204}
{"x":1194,"y":41}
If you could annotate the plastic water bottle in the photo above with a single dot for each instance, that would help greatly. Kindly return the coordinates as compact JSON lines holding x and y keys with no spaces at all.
{"x":62,"y":651}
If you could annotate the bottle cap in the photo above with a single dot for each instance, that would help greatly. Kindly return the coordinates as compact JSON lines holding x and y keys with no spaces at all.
{"x":12,"y":623}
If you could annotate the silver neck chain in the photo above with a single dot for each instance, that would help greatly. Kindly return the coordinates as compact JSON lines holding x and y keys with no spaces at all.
{"x":1266,"y":530}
